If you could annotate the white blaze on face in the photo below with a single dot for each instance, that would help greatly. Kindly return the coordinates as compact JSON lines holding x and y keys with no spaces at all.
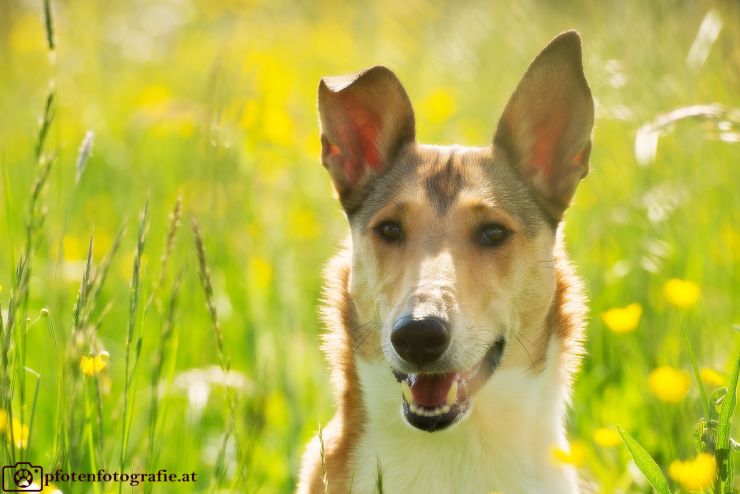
{"x":434,"y":291}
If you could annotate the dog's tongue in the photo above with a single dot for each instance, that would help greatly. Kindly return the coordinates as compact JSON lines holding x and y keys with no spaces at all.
{"x":430,"y":390}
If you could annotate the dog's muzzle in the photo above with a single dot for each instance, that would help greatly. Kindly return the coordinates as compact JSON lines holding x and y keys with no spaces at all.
{"x":435,"y":401}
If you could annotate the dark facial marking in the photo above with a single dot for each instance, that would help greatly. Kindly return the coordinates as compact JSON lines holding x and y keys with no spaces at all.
{"x":443,"y":185}
{"x":382,"y":191}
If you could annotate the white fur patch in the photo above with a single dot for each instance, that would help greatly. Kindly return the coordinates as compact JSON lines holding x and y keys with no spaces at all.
{"x":503,"y":444}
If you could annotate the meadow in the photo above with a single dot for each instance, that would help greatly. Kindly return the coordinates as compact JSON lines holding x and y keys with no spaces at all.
{"x":164,"y":218}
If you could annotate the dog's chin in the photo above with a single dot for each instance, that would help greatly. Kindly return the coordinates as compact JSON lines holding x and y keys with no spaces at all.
{"x":434,"y":401}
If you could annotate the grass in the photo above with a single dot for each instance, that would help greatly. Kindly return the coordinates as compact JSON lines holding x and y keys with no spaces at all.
{"x":201,"y":350}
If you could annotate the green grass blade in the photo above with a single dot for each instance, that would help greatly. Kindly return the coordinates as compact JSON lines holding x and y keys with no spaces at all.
{"x":324,"y":475}
{"x":645,"y":463}
{"x":697,"y":375}
{"x":49,"y":25}
{"x":723,"y":453}
{"x":379,"y":479}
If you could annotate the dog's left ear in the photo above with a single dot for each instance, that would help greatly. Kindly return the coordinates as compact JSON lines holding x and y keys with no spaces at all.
{"x":546,"y":126}
{"x":366,"y":119}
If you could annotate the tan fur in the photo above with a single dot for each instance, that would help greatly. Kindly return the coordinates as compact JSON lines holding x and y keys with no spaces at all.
{"x":342,"y":431}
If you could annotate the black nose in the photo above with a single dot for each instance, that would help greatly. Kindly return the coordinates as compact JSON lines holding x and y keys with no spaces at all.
{"x":420,"y":341}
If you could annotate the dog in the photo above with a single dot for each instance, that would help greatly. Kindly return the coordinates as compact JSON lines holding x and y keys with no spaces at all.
{"x":455,"y":319}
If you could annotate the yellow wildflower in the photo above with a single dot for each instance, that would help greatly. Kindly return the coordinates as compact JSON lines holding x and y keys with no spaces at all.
{"x":607,"y":438}
{"x":303,"y":224}
{"x":261,"y":271}
{"x":439,"y":105}
{"x":696,"y":474}
{"x":669,"y":384}
{"x":3,"y":421}
{"x":574,"y":455}
{"x":153,"y":99}
{"x":74,"y":248}
{"x":711,"y":376}
{"x":681,"y":293}
{"x":622,"y":319}
{"x":27,"y":34}
{"x":19,"y":434}
{"x":92,"y":365}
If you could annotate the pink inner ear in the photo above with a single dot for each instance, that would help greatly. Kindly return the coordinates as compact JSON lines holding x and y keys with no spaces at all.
{"x":357,"y":143}
{"x":546,"y":135}
{"x":365,"y":127}
{"x":543,"y":150}
{"x":368,"y":134}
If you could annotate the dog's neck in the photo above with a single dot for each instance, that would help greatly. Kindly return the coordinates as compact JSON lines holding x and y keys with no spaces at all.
{"x":516,"y":420}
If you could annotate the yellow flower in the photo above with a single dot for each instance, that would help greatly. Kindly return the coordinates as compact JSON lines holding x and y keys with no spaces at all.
{"x":681,"y":293}
{"x":711,"y":376}
{"x":27,"y":34}
{"x":74,"y":248}
{"x":153,"y":99}
{"x":92,"y":365}
{"x":623,"y":319}
{"x":607,"y":438}
{"x":575,"y":455}
{"x":261,"y":271}
{"x":19,"y":434}
{"x":303,"y":224}
{"x":669,"y":384}
{"x":439,"y":105}
{"x":696,"y":474}
{"x":51,"y":489}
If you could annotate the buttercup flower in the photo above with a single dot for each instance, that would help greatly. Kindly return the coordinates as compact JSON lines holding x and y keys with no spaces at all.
{"x":439,"y":106}
{"x":696,"y":474}
{"x":92,"y":365}
{"x":681,"y":293}
{"x":623,"y":319}
{"x":712,"y":377}
{"x":669,"y":384}
{"x":607,"y":438}
{"x":575,"y":455}
{"x":19,"y":434}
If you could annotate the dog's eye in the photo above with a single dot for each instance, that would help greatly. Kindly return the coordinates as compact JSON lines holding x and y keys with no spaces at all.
{"x":492,"y":235}
{"x":389,"y":231}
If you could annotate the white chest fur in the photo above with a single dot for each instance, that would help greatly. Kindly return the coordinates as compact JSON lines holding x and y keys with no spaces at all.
{"x":504,"y":444}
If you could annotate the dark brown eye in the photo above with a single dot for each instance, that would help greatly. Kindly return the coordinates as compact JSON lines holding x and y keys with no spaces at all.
{"x":389,"y":231}
{"x":492,"y":235}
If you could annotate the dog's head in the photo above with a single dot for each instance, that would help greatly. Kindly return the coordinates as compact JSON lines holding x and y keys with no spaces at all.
{"x":452,"y":246}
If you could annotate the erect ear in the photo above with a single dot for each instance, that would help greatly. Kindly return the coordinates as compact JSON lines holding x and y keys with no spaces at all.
{"x":546,"y":126}
{"x":366,"y":118}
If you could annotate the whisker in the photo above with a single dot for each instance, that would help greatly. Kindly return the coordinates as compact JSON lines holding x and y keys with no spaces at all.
{"x":531,"y":361}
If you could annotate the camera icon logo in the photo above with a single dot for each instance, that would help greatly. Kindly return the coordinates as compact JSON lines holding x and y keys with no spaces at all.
{"x":23,"y":477}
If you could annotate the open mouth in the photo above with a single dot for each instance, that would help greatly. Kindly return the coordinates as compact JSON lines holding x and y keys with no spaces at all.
{"x":433,"y":402}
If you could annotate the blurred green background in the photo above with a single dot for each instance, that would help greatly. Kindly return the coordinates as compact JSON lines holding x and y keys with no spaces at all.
{"x":215,"y":100}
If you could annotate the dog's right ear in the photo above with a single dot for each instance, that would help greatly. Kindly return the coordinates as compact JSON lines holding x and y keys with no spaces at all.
{"x":366,"y":118}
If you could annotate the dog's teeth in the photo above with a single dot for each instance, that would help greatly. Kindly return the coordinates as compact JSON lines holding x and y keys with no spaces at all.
{"x":452,"y":394}
{"x":445,"y":409}
{"x":407,"y":395}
